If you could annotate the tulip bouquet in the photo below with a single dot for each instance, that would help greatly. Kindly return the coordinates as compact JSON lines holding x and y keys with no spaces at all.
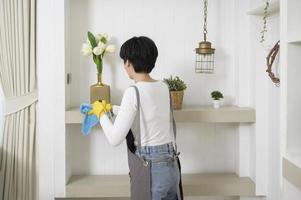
{"x":97,"y":47}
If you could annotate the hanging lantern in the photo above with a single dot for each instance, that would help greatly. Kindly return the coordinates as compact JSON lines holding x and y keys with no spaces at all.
{"x":204,"y":53}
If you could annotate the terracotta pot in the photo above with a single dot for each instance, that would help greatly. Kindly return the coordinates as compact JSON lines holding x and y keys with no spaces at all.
{"x":177,"y":99}
{"x":100,"y":91}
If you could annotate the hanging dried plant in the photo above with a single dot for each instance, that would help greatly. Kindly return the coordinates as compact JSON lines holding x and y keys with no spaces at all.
{"x":270,"y":60}
{"x":265,"y":16}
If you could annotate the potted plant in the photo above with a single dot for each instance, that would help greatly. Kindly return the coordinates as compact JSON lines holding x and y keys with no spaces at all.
{"x":97,"y":47}
{"x":216,"y":96}
{"x":176,"y":88}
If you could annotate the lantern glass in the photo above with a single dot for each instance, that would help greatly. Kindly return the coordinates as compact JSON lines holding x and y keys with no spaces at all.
{"x":204,"y":63}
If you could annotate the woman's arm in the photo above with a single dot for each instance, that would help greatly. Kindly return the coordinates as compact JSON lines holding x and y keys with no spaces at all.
{"x":117,"y":131}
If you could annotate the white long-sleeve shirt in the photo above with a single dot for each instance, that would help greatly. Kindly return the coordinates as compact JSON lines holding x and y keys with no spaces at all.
{"x":154,"y":115}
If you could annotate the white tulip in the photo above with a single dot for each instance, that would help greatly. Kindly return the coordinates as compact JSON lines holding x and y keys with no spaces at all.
{"x":98,"y":37}
{"x":98,"y":50}
{"x":106,"y":36}
{"x":86,"y":49}
{"x":110,"y":48}
{"x":101,"y":44}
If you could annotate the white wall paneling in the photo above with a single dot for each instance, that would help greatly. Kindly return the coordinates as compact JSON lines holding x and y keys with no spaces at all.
{"x":169,"y":29}
{"x":45,"y":136}
{"x":283,"y":86}
{"x":51,"y":106}
{"x":243,"y":89}
{"x":264,"y":96}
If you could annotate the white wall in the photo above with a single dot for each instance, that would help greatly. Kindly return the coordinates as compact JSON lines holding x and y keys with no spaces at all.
{"x":293,"y":98}
{"x":51,"y":105}
{"x":255,"y":88}
{"x":208,"y":150}
{"x":265,"y":97}
{"x":176,"y":28}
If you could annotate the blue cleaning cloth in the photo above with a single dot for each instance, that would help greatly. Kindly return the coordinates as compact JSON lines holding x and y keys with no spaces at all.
{"x":89,"y":120}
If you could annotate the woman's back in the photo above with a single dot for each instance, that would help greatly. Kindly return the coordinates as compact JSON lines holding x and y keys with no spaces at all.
{"x":161,"y":178}
{"x":154,"y":113}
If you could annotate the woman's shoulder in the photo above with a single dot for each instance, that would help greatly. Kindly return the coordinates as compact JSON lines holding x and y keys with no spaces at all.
{"x":130,"y":92}
{"x":160,"y":87}
{"x":154,"y":84}
{"x":129,"y":98}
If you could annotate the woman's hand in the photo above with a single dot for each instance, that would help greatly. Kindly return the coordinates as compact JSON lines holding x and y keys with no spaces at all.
{"x":100,"y":107}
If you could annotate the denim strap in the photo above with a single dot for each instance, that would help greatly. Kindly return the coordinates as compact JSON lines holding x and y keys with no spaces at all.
{"x":138,"y":136}
{"x":173,"y":122}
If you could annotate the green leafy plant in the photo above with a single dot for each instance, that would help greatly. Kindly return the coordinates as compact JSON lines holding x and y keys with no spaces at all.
{"x":175,"y":84}
{"x":216,"y":95}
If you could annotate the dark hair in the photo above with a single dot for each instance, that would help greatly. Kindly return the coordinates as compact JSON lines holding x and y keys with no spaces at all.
{"x":141,"y":51}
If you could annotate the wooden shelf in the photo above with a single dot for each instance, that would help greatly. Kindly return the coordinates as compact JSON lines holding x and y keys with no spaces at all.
{"x":274,"y":8}
{"x":207,"y":114}
{"x":224,"y":184}
{"x":292,"y":168}
{"x":296,"y":42}
{"x":73,"y":116}
{"x":229,"y":114}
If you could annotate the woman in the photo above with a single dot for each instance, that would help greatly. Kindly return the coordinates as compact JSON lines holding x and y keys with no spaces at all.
{"x":145,"y":116}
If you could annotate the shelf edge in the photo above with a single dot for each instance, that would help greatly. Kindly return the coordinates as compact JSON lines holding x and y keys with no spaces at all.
{"x":292,"y":172}
{"x":192,"y":115}
{"x":259,"y":10}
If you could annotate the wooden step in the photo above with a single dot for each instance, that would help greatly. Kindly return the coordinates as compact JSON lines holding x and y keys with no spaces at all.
{"x":292,"y":169}
{"x":208,"y":184}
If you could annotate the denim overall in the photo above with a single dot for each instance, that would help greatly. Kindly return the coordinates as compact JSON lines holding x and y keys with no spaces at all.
{"x":155,"y":171}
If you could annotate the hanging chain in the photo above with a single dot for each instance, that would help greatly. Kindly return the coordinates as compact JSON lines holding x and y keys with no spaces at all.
{"x":205,"y":19}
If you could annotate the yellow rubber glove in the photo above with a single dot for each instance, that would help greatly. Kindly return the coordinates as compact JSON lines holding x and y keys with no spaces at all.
{"x":99,"y":108}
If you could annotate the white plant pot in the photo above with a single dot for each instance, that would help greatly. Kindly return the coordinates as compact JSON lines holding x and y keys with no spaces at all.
{"x":216,"y":104}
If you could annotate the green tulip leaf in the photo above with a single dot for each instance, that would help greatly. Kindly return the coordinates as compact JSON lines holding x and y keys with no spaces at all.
{"x":92,"y":40}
